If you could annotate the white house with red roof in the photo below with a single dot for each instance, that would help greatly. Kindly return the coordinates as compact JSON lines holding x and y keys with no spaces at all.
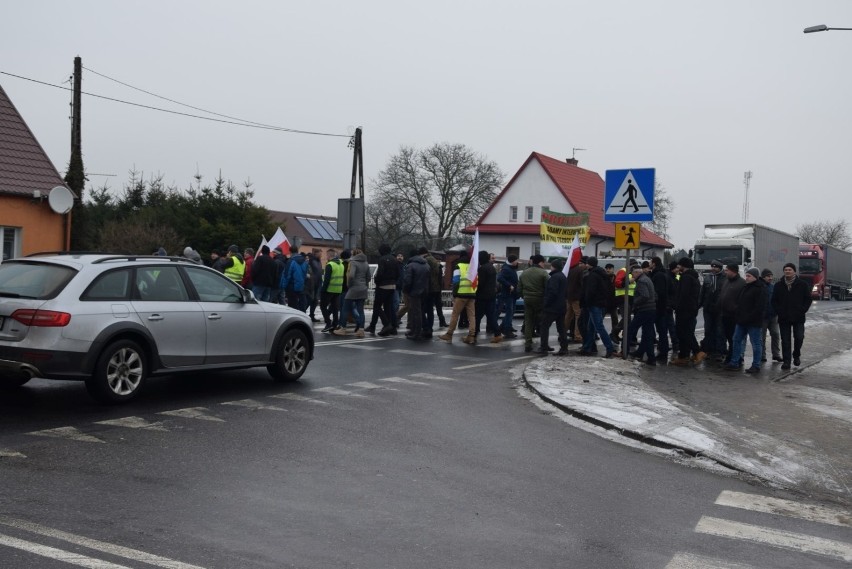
{"x":512,"y":222}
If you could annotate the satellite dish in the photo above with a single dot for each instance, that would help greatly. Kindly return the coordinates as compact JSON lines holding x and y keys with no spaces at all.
{"x":61,"y":199}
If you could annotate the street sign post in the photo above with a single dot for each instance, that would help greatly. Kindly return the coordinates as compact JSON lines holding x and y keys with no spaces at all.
{"x":629,"y":195}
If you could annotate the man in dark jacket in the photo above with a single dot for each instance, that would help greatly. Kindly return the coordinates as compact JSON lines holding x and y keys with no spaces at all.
{"x":486,"y":297}
{"x":597,"y":290}
{"x":791,"y":299}
{"x":686,"y":312}
{"x":432,"y":302}
{"x":711,"y":289}
{"x":388,"y":272}
{"x":752,"y":306}
{"x":508,"y":284}
{"x":553,"y":309}
{"x":415,"y":283}
{"x":662,"y":286}
{"x":573,"y":293}
{"x":644,"y":315}
{"x":732,"y":284}
{"x":263,"y":273}
{"x":770,"y":320}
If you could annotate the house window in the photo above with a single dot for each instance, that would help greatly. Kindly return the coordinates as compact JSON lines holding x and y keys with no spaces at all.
{"x":529,"y":216}
{"x":10,"y":241}
{"x":513,"y":213}
{"x":536,"y":248}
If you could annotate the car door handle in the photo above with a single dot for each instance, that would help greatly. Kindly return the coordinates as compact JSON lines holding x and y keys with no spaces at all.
{"x":155,"y":317}
{"x":213,"y":316}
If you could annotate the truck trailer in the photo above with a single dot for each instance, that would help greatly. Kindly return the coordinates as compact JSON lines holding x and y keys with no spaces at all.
{"x":747,"y":245}
{"x":828,"y":268}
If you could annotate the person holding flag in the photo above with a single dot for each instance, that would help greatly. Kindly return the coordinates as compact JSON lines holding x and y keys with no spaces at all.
{"x":464,"y":299}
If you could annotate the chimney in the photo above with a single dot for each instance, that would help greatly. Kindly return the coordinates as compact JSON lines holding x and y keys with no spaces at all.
{"x":572,"y":161}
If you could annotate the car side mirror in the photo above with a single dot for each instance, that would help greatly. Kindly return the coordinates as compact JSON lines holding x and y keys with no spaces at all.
{"x":248,"y":296}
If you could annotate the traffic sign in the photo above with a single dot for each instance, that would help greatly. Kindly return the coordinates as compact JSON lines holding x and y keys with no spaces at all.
{"x":627,"y":235}
{"x":629,"y":195}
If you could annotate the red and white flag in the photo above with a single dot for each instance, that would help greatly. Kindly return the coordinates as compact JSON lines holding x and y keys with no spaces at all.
{"x":574,"y":255}
{"x":280,"y":240}
{"x":473,"y":268}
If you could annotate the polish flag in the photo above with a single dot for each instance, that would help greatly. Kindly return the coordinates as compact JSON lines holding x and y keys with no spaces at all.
{"x":473,"y":268}
{"x":574,"y":255}
{"x":279,"y":240}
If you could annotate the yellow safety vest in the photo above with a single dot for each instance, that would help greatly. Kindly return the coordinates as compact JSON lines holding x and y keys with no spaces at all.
{"x":335,"y":283}
{"x":465,"y":286}
{"x":631,"y":288}
{"x":236,"y":271}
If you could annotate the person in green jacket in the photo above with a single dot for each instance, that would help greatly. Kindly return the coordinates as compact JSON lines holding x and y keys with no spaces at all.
{"x":531,"y":286}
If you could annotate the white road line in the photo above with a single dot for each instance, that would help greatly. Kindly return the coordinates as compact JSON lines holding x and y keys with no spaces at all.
{"x":336,"y":391}
{"x":368,"y":385}
{"x":474,"y":365}
{"x":58,"y":554}
{"x":133,"y":423}
{"x":787,"y":508}
{"x":402,"y":380}
{"x":462,"y":358}
{"x":690,"y":561}
{"x":71,"y":433}
{"x":102,"y":546}
{"x":199,"y":413}
{"x":11,"y":454}
{"x":519,"y":359}
{"x":253,"y":404}
{"x":352,"y":340}
{"x":297,"y":397}
{"x":361,"y":347}
{"x":775,"y":538}
{"x":432,"y":376}
{"x":413,"y":352}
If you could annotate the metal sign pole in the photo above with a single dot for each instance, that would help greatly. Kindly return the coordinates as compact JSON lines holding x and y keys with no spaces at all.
{"x":625,"y":319}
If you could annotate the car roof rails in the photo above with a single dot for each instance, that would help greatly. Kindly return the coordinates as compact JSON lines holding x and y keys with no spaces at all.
{"x":141,"y":258}
{"x":72,"y":253}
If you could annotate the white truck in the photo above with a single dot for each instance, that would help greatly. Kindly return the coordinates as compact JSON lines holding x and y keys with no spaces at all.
{"x":748,"y":245}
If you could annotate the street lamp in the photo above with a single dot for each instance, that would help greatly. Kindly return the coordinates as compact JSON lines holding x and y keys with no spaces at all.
{"x":822,"y":28}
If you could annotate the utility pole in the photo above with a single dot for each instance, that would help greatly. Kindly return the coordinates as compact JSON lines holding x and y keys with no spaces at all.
{"x":747,"y":183}
{"x":358,"y":173}
{"x":75,"y":176}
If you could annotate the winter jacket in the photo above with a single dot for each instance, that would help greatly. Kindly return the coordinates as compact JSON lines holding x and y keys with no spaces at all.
{"x":752,"y":304}
{"x":791,"y":303}
{"x":532,"y":282}
{"x":296,"y":275}
{"x":554,"y":293}
{"x":388,"y":271}
{"x":435,"y":274}
{"x":486,"y":287}
{"x":769,"y":313}
{"x":688,"y":292}
{"x":730,"y":295}
{"x":416,"y":277}
{"x":662,"y":286}
{"x":575,"y":283}
{"x":264,"y":271}
{"x":508,"y":280}
{"x":597,"y":288}
{"x":357,"y":277}
{"x":645,"y":297}
{"x":711,"y":288}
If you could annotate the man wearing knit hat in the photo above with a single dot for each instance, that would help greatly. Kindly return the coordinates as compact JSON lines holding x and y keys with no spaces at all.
{"x":791,"y":299}
{"x":732,"y":284}
{"x":751,"y":306}
{"x":770,"y":320}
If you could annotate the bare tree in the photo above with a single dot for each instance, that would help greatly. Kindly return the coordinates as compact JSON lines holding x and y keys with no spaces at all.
{"x":388,"y":222}
{"x":831,"y":232}
{"x":663,"y":206}
{"x":441,"y":188}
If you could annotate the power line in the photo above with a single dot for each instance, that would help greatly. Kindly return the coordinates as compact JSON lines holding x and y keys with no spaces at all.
{"x":237,"y":122}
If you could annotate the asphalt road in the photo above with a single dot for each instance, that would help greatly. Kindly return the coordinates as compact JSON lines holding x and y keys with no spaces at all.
{"x":387,"y":454}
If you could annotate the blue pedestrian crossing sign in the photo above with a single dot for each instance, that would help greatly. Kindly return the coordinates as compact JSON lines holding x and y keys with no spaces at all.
{"x":629,"y":195}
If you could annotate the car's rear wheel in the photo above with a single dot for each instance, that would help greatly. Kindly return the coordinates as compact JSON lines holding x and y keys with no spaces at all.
{"x":9,"y":383}
{"x":119,"y":374}
{"x":291,"y":356}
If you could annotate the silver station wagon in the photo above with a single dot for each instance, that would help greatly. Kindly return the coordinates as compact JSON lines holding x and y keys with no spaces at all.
{"x":113,"y":321}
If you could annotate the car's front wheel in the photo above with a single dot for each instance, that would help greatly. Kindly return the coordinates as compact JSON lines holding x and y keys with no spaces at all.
{"x":119,"y":374}
{"x":291,"y":356}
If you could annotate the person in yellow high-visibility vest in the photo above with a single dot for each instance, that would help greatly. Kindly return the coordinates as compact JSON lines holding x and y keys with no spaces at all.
{"x":623,"y":284}
{"x":332,"y":288}
{"x":464,"y":298}
{"x":234,"y":267}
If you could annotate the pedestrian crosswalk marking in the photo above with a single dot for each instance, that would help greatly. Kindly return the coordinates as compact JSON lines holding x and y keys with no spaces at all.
{"x":336,"y":391}
{"x":199,"y":413}
{"x":133,"y":423}
{"x":413,"y":352}
{"x":58,"y":554}
{"x":462,"y":358}
{"x":689,"y":561}
{"x":471,"y":366}
{"x":253,"y":404}
{"x":432,"y":376}
{"x":297,"y":397}
{"x":360,"y":347}
{"x":71,"y":433}
{"x":11,"y":454}
{"x":775,"y":538}
{"x":765,"y":504}
{"x":368,"y":385}
{"x":401,"y":380}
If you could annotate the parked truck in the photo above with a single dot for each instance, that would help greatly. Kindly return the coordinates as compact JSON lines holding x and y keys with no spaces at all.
{"x":828,"y":268}
{"x":747,"y":245}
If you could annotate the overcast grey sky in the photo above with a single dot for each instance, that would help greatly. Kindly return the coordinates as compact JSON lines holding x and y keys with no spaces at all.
{"x":702,"y":91}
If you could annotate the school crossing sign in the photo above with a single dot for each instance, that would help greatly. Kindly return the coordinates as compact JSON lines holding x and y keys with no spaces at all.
{"x":629,"y":195}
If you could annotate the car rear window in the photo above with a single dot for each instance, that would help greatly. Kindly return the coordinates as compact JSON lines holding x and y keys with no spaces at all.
{"x":33,"y":280}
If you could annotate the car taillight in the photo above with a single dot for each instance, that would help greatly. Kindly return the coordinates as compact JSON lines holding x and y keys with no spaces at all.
{"x":47,"y":318}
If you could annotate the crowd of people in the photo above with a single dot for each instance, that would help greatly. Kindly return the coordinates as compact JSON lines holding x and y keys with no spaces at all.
{"x":662,"y":302}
